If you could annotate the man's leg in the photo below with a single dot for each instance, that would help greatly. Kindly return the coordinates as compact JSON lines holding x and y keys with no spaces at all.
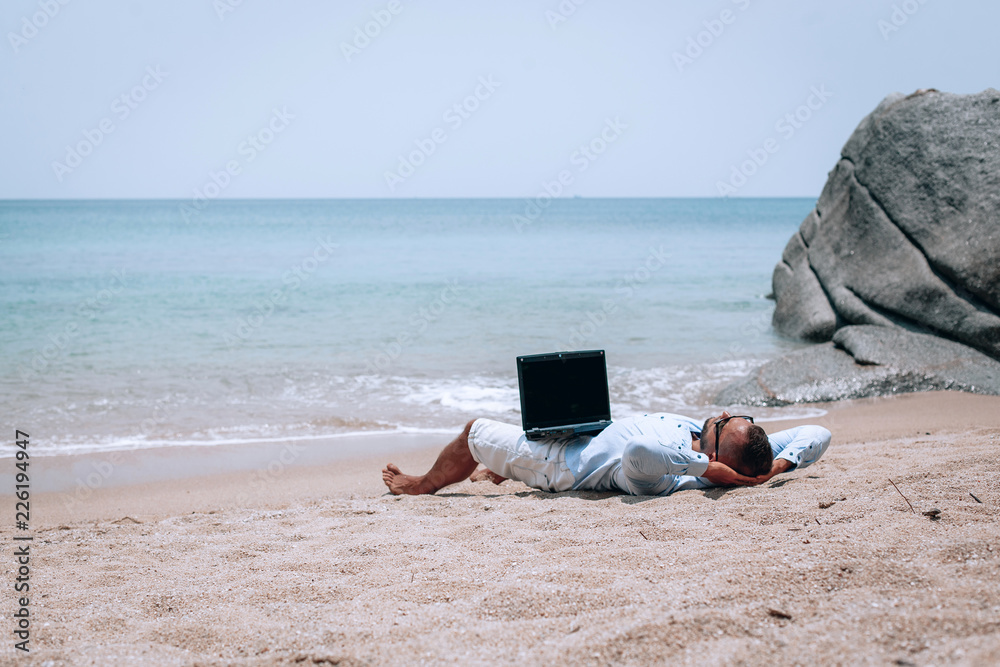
{"x":454,"y":464}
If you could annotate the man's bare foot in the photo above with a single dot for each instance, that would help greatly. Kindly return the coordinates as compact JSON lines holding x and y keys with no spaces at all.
{"x":400,"y":484}
{"x":485,"y":474}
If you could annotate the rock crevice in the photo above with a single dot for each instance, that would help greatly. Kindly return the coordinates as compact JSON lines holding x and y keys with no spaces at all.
{"x":940,"y":272}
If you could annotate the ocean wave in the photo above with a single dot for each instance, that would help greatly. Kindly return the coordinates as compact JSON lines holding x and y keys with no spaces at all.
{"x":68,"y":446}
{"x":312,"y":407}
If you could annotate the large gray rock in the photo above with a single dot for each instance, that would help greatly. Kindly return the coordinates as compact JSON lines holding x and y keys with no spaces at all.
{"x":863,"y":361}
{"x":906,"y":233}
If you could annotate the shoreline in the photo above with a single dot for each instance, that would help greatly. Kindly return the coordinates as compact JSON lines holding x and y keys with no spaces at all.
{"x":164,"y":480}
{"x":182,"y":478}
{"x":126,"y":467}
{"x":80,"y":473}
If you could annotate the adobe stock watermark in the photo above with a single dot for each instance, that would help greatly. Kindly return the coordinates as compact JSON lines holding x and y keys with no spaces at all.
{"x":223,"y":7}
{"x":751,"y":329}
{"x":103,"y":469}
{"x":292,"y":280}
{"x":85,"y":485}
{"x":122,"y":107}
{"x":48,"y":10}
{"x":562,"y":12}
{"x":380,"y":360}
{"x":455,"y":116}
{"x":624,"y":289}
{"x":57,"y":343}
{"x":704,"y":39}
{"x":363,"y":35}
{"x":899,"y":17}
{"x":581,"y":159}
{"x":246,"y":152}
{"x":786,"y":126}
{"x":269,"y":474}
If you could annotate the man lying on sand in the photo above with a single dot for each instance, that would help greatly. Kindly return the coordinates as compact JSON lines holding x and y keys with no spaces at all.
{"x":652,"y":455}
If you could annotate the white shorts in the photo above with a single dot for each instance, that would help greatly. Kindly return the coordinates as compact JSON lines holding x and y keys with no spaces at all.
{"x":504,"y":449}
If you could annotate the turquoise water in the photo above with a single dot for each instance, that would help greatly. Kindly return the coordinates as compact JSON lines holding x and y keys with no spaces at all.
{"x":128,"y":323}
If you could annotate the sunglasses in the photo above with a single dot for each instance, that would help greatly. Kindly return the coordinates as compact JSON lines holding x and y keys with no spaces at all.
{"x":720,"y":424}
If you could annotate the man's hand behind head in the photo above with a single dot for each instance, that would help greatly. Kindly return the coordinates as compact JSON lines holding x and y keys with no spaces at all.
{"x":722,"y":475}
{"x":779,"y":466}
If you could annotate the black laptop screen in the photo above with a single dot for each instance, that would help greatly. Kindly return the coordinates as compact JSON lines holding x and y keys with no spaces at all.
{"x":560,"y":389}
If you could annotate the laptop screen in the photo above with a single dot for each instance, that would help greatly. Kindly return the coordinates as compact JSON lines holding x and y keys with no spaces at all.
{"x":563,"y":388}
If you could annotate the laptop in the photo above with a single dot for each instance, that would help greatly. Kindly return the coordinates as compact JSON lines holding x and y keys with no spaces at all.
{"x":564,"y":393}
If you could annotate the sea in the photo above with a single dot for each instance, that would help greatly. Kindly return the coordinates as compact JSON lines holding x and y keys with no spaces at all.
{"x":135,"y":323}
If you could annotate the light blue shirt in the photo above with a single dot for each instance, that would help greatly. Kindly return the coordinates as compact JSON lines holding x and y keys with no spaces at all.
{"x":660,"y":447}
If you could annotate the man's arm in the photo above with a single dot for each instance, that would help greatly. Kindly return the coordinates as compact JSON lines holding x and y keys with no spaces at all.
{"x":720,"y":474}
{"x":652,"y":466}
{"x":797,"y":447}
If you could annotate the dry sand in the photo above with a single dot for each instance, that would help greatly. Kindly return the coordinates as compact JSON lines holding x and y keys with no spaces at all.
{"x":319,"y":566}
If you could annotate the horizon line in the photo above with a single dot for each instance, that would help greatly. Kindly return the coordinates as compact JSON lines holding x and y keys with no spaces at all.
{"x":267,"y":199}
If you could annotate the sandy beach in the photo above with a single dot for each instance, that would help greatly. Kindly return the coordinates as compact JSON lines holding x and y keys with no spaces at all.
{"x":314,"y":563}
{"x":252,"y":254}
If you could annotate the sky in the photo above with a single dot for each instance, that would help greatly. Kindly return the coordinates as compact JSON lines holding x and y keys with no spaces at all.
{"x":376,"y":99}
